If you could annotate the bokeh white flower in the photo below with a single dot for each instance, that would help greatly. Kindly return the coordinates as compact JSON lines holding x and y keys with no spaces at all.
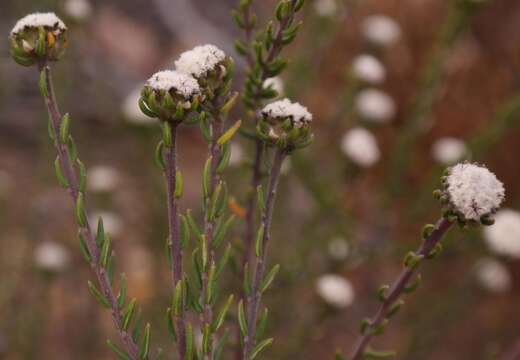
{"x":375,"y":105}
{"x":369,"y":69}
{"x":325,"y":8}
{"x":493,"y":276}
{"x":473,"y":190}
{"x":113,"y":224}
{"x":361,"y":147}
{"x":381,"y":30}
{"x":79,"y":10}
{"x":338,"y":248}
{"x":102,"y":178}
{"x":503,"y":237}
{"x":237,"y":154}
{"x":335,"y":290}
{"x":448,"y":150}
{"x":51,"y":256}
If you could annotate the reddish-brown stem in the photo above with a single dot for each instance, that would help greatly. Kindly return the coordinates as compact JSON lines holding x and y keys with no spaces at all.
{"x":69,"y":172}
{"x":253,"y":299}
{"x":174,"y":240}
{"x":398,"y":288}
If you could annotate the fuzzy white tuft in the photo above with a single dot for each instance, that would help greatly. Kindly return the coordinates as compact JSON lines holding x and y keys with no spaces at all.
{"x":168,"y":80}
{"x":375,"y":105}
{"x":51,"y":256}
{"x":504,"y":236}
{"x":198,"y":61}
{"x":492,"y":275}
{"x":286,"y":109}
{"x":369,"y":69}
{"x":474,"y":191}
{"x":102,"y":179}
{"x":448,"y":150}
{"x":237,"y":154}
{"x":335,"y":290}
{"x":381,"y":30}
{"x":39,"y":19}
{"x":361,"y":147}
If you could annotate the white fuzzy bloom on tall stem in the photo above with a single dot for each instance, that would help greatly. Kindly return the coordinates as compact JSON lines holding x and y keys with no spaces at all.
{"x":492,"y":275}
{"x":503,"y":237}
{"x":102,"y":178}
{"x":51,"y":256}
{"x":35,"y":20}
{"x":198,"y":61}
{"x":168,"y":80}
{"x":448,"y":150}
{"x":368,"y":69}
{"x":335,"y":290}
{"x":473,"y":191}
{"x":286,"y":109}
{"x":381,"y":30}
{"x":78,"y":9}
{"x":361,"y":147}
{"x":375,"y":105}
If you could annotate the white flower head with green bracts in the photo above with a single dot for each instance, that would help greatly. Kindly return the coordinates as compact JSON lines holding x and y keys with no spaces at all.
{"x":284,"y":109}
{"x":200,"y":60}
{"x":48,"y":20}
{"x":38,"y":36}
{"x":335,"y":290}
{"x":168,"y":94}
{"x":360,"y":145}
{"x":503,"y":238}
{"x":472,"y":193}
{"x":369,"y":69}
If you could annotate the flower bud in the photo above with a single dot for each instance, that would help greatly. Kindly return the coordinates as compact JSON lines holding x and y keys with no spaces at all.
{"x":169,"y":95}
{"x":472,"y":193}
{"x":38,"y":36}
{"x":286,"y":125}
{"x":210,"y":66}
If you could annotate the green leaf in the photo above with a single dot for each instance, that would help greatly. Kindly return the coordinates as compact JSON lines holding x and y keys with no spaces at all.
{"x":394,"y":308}
{"x":97,"y":294}
{"x":221,"y":344}
{"x":189,"y":342}
{"x":80,"y":211}
{"x":159,"y":160}
{"x":129,"y":314}
{"x":413,"y":286}
{"x":145,"y":109}
{"x":167,"y":134}
{"x":119,"y":352}
{"x":242,"y":319}
{"x":62,"y":180}
{"x":145,"y":346}
{"x":177,"y":298}
{"x":223,"y":260}
{"x":178,"y":185}
{"x":40,"y":43}
{"x":100,"y":234}
{"x":185,"y":231}
{"x":231,"y":131}
{"x":73,"y":151}
{"x":211,"y":284}
{"x":42,"y":83}
{"x":261,"y":346}
{"x":105,"y":251}
{"x":219,"y":320}
{"x":374,"y":354}
{"x":225,"y":109}
{"x":171,"y":326}
{"x":221,"y":229}
{"x":84,"y":248}
{"x":121,"y":297}
{"x":82,"y":176}
{"x":206,"y":339}
{"x":259,"y":242}
{"x":206,"y":178}
{"x":193,"y":224}
{"x":224,"y":158}
{"x":65,"y":128}
{"x":262,"y":323}
{"x":260,"y":198}
{"x":269,"y":278}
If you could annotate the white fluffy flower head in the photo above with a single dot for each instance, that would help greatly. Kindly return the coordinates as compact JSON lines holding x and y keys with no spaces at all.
{"x":369,"y":69}
{"x":169,"y":80}
{"x":381,"y":30}
{"x":286,"y":109}
{"x":51,"y":256}
{"x":361,"y":147}
{"x":448,"y":150}
{"x":335,"y":290}
{"x":200,"y":60}
{"x":35,"y":20}
{"x":375,"y":105}
{"x":473,"y":191}
{"x":503,"y":237}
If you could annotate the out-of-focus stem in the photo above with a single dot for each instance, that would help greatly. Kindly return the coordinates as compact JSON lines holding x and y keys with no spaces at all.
{"x":399,"y":287}
{"x":73,"y":188}
{"x":253,"y":300}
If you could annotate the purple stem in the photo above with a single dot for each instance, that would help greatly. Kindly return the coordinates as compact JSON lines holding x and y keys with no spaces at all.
{"x":399,"y":286}
{"x":253,"y":300}
{"x":174,"y":240}
{"x":69,"y":172}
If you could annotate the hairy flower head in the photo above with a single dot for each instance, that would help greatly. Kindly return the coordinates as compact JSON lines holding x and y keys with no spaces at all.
{"x":472,"y":193}
{"x":503,"y":237}
{"x":38,"y":36}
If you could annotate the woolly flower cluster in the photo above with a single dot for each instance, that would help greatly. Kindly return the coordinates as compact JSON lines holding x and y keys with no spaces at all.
{"x":46,"y":20}
{"x":473,"y":191}
{"x":200,"y":60}
{"x":504,"y":236}
{"x":284,"y":108}
{"x":361,"y":147}
{"x":335,"y":290}
{"x":168,"y":80}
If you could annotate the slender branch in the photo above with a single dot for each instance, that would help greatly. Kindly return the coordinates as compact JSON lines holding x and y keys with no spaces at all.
{"x":174,"y":241}
{"x":69,"y":172}
{"x":215,"y":152}
{"x":399,"y":287}
{"x":253,"y":300}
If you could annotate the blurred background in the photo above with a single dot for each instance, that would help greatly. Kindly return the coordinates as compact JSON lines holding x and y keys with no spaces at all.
{"x":398,"y":88}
